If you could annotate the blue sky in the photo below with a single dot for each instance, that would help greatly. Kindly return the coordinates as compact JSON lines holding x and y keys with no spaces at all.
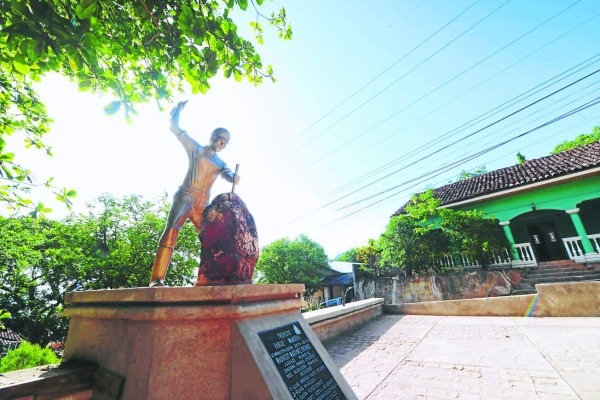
{"x":370,"y":97}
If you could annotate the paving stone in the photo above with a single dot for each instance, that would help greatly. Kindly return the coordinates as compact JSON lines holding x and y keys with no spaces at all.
{"x":433,"y":357}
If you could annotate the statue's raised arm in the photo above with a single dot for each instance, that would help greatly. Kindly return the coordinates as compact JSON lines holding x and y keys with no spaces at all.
{"x":174,"y":121}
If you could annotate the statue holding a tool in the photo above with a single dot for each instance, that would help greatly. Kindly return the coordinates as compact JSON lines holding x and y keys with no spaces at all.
{"x":193,"y":195}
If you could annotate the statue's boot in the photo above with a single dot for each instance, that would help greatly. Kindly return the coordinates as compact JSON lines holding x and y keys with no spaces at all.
{"x":161,"y":264}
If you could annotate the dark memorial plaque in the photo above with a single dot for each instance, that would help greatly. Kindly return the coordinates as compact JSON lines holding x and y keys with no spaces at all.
{"x":302,"y":369}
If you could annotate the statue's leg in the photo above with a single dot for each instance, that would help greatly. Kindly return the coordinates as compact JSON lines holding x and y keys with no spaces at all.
{"x":178,"y":214}
{"x":163,"y":256}
{"x":195,"y":216}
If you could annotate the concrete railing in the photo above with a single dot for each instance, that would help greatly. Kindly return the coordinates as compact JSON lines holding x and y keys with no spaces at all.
{"x":328,"y":323}
{"x":574,"y":248}
{"x":573,"y":299}
{"x":526,"y":255}
{"x":595,"y":239}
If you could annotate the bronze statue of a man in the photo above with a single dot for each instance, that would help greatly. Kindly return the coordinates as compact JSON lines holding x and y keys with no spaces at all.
{"x":192,"y":196}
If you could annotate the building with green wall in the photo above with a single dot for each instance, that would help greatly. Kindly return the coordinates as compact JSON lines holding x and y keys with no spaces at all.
{"x":548,"y":208}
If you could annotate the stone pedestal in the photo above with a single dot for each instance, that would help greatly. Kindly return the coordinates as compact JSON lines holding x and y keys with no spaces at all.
{"x":191,"y":343}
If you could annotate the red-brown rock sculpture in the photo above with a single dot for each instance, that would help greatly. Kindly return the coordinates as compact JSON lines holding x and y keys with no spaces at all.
{"x":229,"y":243}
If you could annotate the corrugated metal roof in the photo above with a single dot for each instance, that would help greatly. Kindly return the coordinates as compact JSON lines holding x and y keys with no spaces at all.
{"x":338,"y":280}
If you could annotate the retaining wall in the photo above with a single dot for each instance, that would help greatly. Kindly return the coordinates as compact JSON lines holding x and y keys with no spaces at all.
{"x":331,"y":322}
{"x":462,"y":285}
{"x":575,"y":299}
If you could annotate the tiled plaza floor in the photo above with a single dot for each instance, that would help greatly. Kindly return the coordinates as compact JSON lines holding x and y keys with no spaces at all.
{"x":431,"y":357}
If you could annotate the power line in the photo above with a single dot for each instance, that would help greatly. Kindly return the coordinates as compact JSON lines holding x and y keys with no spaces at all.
{"x":466,"y":137}
{"x":404,"y":75}
{"x":313,"y":163}
{"x":547,"y":138}
{"x":473,"y":121}
{"x":328,"y":113}
{"x":507,"y":104}
{"x":574,"y":111}
{"x":462,"y":161}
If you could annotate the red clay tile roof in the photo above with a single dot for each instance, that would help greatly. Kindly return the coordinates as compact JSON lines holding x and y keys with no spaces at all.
{"x":538,"y":170}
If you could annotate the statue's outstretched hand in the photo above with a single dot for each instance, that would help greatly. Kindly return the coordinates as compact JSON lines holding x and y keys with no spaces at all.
{"x":178,"y":108}
{"x":175,"y":116}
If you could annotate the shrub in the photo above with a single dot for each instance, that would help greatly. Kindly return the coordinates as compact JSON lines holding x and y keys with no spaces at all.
{"x":27,"y":355}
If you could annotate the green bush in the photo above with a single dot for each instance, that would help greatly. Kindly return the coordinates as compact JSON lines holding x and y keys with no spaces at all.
{"x":27,"y":355}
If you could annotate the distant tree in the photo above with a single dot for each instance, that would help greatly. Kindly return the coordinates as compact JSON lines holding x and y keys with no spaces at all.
{"x":348,"y":256}
{"x":417,"y":241}
{"x":581,"y":140}
{"x":298,"y":261}
{"x":370,"y":258}
{"x":471,"y":174}
{"x":521,"y":158}
{"x":138,"y":51}
{"x":111,"y":247}
{"x":124,"y":234}
{"x":474,"y":232}
{"x":3,"y":315}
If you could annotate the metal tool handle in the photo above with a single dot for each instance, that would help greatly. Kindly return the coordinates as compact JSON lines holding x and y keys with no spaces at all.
{"x":237,"y":168}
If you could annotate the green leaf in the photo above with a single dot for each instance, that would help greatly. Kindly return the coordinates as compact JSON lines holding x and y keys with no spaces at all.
{"x":225,"y":27}
{"x":243,"y":4}
{"x":112,"y":107}
{"x":237,"y":75}
{"x":21,"y":68}
{"x":43,"y":209}
{"x":7,"y":171}
{"x":75,"y":62}
{"x":7,"y":157}
{"x":86,"y":9}
{"x":85,"y":84}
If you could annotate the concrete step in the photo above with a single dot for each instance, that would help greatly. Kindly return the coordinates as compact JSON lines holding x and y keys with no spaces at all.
{"x":544,"y":264}
{"x":571,"y":278}
{"x":562,"y":272}
{"x":517,"y":292}
{"x":558,"y":266}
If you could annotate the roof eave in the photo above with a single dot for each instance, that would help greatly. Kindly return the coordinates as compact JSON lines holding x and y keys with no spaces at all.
{"x":526,"y":188}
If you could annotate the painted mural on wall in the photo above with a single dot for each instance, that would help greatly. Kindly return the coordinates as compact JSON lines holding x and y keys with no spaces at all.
{"x":464,"y":285}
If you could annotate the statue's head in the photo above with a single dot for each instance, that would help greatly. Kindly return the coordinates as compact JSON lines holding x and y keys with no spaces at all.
{"x":219,"y":139}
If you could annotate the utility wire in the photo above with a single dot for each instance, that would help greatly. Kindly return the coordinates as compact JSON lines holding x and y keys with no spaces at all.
{"x":346,"y":143}
{"x":447,"y":135}
{"x":474,"y":121}
{"x":444,"y":148}
{"x":452,"y":178}
{"x":574,"y":111}
{"x":403,"y":76}
{"x":467,"y":136}
{"x":328,"y":113}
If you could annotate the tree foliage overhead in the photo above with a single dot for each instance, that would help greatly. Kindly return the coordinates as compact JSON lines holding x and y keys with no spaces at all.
{"x":136,"y":50}
{"x":113,"y":246}
{"x":581,"y":140}
{"x":292,"y":261}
